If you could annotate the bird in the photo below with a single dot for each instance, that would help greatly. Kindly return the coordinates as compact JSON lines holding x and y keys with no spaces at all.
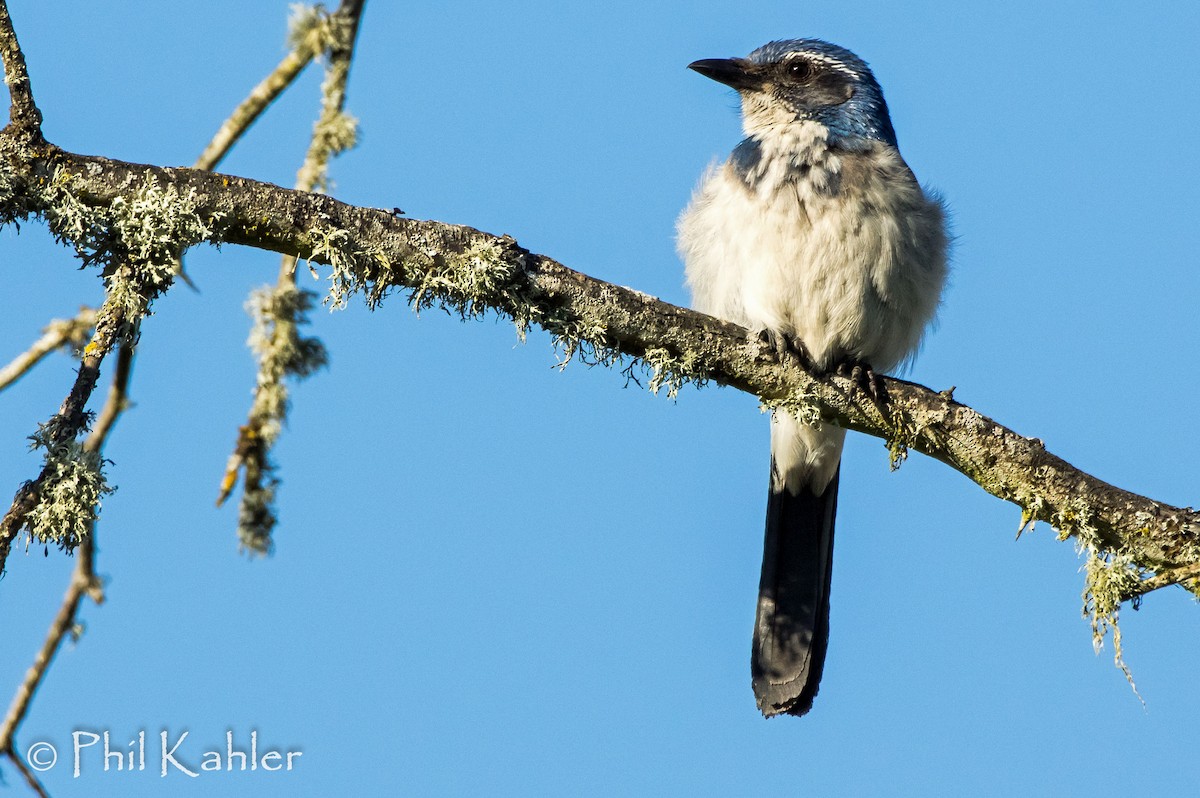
{"x":816,"y":236}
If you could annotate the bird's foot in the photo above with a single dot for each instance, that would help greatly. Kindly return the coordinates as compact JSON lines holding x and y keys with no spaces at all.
{"x":787,"y":347}
{"x":865,"y":379}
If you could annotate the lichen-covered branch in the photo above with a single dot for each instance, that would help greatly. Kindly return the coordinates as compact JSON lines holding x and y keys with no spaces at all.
{"x":60,"y":504}
{"x":73,"y":332}
{"x":279,"y":313}
{"x":310,"y":33}
{"x":134,"y":240}
{"x":334,"y":131}
{"x":84,"y":582}
{"x":283,"y":353}
{"x":373,"y":253}
{"x":23,"y":112}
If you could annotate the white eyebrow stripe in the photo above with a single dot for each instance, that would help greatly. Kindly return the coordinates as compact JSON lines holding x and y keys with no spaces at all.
{"x":824,"y":59}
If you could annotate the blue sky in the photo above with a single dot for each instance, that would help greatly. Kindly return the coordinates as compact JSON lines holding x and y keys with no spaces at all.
{"x":495,"y":578}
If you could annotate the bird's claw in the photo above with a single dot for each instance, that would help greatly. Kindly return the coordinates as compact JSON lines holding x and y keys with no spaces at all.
{"x":787,"y":348}
{"x":865,"y":379}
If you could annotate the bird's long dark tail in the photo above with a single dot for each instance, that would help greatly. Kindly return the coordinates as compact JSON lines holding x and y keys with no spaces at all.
{"x":791,"y":630}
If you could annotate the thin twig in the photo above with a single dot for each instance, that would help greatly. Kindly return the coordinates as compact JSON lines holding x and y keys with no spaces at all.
{"x":83,"y":578}
{"x":322,"y":147}
{"x":305,"y":49}
{"x":66,"y":425}
{"x":31,"y":778}
{"x":1187,"y":576}
{"x":117,"y":401}
{"x":56,"y":334}
{"x":83,"y":582}
{"x":251,"y":453}
{"x":23,"y":112}
{"x":71,"y":417}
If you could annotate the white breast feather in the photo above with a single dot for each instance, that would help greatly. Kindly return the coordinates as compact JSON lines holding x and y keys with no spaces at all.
{"x":842,"y":249}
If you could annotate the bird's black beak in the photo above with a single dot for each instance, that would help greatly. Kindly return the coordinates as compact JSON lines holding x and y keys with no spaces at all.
{"x":737,"y":73}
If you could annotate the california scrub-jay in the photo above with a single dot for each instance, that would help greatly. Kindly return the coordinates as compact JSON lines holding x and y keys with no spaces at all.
{"x":816,"y":234}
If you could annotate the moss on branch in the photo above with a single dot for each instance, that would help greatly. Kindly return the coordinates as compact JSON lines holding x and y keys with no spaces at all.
{"x":374,"y":253}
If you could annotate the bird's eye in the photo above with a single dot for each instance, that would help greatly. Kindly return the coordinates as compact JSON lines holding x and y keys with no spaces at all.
{"x":800,"y":69}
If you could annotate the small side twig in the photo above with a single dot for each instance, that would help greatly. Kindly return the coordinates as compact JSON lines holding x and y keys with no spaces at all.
{"x":282,"y":351}
{"x":23,"y":112}
{"x":117,"y":401}
{"x":307,"y":44}
{"x":1187,"y":576}
{"x":84,"y":581}
{"x":31,"y":779}
{"x":309,"y":34}
{"x":65,"y":425}
{"x":58,"y":333}
{"x":333,"y":133}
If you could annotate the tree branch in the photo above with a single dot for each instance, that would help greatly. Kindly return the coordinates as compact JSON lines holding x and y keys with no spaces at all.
{"x":23,"y":112}
{"x":84,"y":581}
{"x":309,"y":35}
{"x":280,"y":313}
{"x":31,"y":779}
{"x":469,"y":271}
{"x":58,"y":333}
{"x":117,"y":401}
{"x":66,"y":425}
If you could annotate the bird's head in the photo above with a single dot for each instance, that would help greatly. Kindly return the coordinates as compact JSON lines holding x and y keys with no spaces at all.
{"x":805,"y":79}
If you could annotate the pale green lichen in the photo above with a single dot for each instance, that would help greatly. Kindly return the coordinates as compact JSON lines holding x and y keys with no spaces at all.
{"x":573,"y":339}
{"x":150,"y":226}
{"x":278,"y":313}
{"x":74,"y":222}
{"x":903,"y":435}
{"x":136,"y":240}
{"x":70,"y":494}
{"x":1109,"y":576}
{"x":155,"y":224}
{"x":585,"y":340}
{"x":673,"y":372}
{"x":12,"y":210}
{"x":311,"y":27}
{"x":256,"y":515}
{"x":802,"y":405}
{"x":487,"y":275}
{"x":351,"y":269}
{"x":1077,"y":519}
{"x":470,"y":283}
{"x":490,"y":276}
{"x":333,"y":133}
